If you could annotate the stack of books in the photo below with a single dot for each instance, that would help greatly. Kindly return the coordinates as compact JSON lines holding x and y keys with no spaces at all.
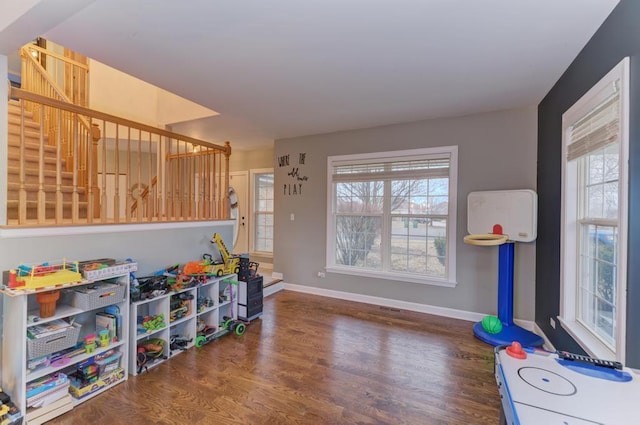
{"x":48,"y":329}
{"x":47,"y":389}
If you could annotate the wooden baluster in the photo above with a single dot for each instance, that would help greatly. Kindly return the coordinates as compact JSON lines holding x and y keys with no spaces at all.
{"x":94,"y":190}
{"x":188,"y":167}
{"x":116,"y":164}
{"x":179,"y":183}
{"x":129,"y":192}
{"x":139,"y":203}
{"x":103,"y":171}
{"x":59,"y":214}
{"x":149,"y":168}
{"x":42,"y":198}
{"x":22,"y":191}
{"x":75,"y":201}
{"x":198,"y":176}
{"x":169,"y":179}
{"x":218,"y":185}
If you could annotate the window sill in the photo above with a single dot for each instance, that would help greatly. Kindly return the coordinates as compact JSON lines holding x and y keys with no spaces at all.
{"x":589,"y":343}
{"x":392,"y":276}
{"x":263,"y":254}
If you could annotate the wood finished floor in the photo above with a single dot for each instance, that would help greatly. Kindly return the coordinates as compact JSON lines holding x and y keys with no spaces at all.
{"x":315,"y":360}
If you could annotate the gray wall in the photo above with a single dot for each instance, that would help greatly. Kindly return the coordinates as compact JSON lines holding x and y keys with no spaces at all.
{"x":154,"y":248}
{"x":619,"y":36}
{"x":247,"y":160}
{"x":497,"y":151}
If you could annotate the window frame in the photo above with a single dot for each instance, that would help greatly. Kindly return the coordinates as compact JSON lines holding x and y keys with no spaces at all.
{"x":572,"y":221}
{"x":254,"y":173}
{"x":450,"y":279}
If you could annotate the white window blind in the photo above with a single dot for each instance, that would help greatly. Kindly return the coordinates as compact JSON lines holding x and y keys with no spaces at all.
{"x":392,"y":170}
{"x":597,"y":129}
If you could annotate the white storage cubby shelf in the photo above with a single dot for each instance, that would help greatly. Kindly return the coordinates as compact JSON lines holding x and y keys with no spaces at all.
{"x":21,"y":312}
{"x":184,"y":312}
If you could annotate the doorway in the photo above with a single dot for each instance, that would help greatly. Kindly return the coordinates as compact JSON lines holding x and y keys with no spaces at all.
{"x":238,"y":181}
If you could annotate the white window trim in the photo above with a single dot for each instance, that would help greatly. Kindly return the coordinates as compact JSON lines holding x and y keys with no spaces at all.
{"x":252,"y":225}
{"x":568,"y":261}
{"x":451,"y":221}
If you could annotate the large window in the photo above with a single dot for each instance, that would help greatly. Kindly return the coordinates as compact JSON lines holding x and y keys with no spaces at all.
{"x":595,"y":151}
{"x":392,"y":215}
{"x":262,"y":228}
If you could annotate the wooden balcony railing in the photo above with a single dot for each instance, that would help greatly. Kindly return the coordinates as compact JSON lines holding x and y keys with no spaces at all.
{"x":133,"y":172}
{"x":63,"y":79}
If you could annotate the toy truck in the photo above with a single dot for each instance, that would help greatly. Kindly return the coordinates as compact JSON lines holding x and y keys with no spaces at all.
{"x":229,"y":264}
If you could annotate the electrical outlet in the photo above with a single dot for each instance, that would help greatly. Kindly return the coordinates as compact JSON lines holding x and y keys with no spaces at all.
{"x":552,"y":322}
{"x":321,"y":275}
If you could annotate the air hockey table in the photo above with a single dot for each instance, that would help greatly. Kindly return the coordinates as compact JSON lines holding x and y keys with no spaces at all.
{"x":538,"y":387}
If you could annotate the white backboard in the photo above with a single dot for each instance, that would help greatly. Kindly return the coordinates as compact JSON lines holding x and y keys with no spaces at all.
{"x":515,"y":210}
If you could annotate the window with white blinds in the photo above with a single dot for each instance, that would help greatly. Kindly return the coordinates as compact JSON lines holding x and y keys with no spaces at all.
{"x":594,"y":216}
{"x":392,"y":215}
{"x":598,"y":129}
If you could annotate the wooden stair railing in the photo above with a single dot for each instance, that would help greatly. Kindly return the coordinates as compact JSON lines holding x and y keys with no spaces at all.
{"x":187,"y":178}
{"x":142,"y":197}
{"x":61,"y":80}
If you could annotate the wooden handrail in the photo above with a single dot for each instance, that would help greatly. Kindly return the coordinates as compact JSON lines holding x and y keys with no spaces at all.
{"x":180,"y":186}
{"x":80,"y":110}
{"x":57,"y":56}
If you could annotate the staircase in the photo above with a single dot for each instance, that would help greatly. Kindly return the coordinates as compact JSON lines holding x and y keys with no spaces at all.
{"x":71,"y":165}
{"x":37,"y":181}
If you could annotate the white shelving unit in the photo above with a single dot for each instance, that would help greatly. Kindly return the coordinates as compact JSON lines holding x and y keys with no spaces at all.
{"x":21,"y":312}
{"x":178,"y":322}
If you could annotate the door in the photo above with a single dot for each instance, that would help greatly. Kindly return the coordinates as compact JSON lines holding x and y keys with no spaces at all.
{"x":238,"y":186}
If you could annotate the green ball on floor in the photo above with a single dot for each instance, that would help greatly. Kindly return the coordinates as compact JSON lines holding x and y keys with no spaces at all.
{"x":491,"y":324}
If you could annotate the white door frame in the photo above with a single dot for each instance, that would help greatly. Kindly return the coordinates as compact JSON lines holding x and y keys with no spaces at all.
{"x":245,"y":214}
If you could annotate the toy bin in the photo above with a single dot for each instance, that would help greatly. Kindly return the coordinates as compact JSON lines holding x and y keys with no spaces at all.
{"x":97,"y":295}
{"x":79,"y":389}
{"x":38,"y":347}
{"x":110,"y":363}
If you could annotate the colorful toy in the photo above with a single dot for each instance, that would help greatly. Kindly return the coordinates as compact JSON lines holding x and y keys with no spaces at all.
{"x":509,"y":216}
{"x":178,"y":342}
{"x":229,"y":325}
{"x":47,"y":301}
{"x":47,"y":274}
{"x":38,"y":363}
{"x":203,"y":303}
{"x":149,"y":350}
{"x":491,"y":324}
{"x":151,"y":323}
{"x":103,"y":337}
{"x":13,"y":279}
{"x":180,"y":306}
{"x":90,"y":343}
{"x":230,"y":263}
{"x":211,"y":333}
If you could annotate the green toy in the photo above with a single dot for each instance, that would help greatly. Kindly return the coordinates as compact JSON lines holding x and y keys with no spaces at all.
{"x":491,"y":324}
{"x":153,"y":323}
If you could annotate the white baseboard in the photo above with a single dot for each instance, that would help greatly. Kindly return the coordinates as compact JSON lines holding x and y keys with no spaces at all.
{"x":403,"y":305}
{"x":272,"y":289}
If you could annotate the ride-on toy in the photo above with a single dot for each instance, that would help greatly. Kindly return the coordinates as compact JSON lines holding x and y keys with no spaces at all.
{"x":210,"y":333}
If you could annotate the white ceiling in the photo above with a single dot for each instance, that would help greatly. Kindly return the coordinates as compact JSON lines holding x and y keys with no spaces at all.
{"x":285,"y":68}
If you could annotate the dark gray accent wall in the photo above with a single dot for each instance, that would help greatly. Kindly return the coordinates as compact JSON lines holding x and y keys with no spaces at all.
{"x":618,"y":37}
